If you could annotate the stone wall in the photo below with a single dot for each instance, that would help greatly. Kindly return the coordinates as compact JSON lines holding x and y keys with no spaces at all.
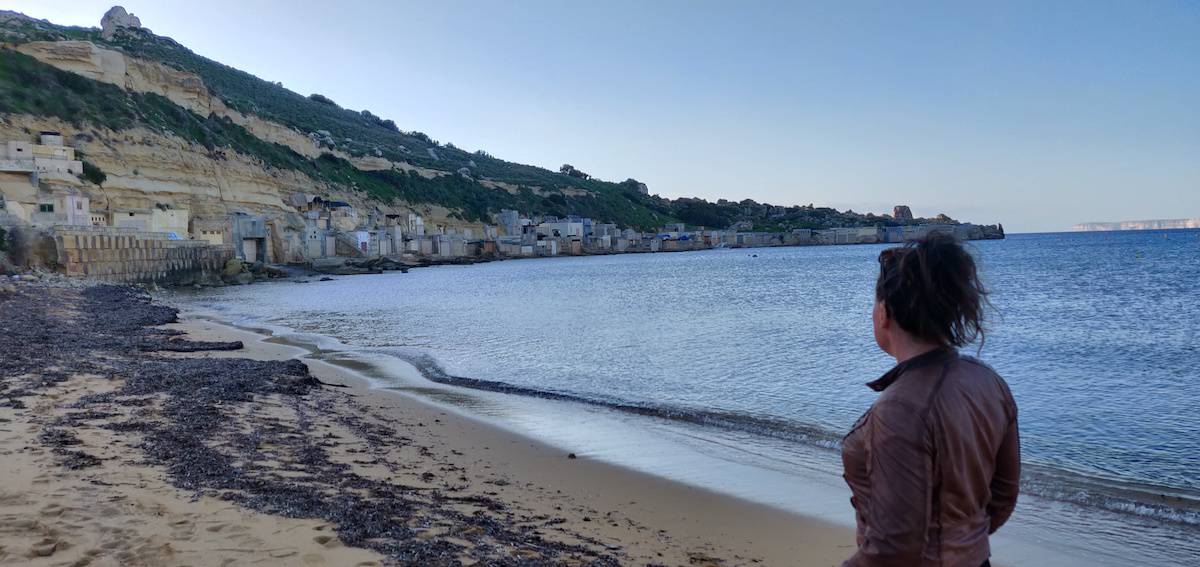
{"x":129,"y":256}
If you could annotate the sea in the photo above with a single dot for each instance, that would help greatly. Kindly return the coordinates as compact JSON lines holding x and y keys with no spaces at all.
{"x":739,"y":370}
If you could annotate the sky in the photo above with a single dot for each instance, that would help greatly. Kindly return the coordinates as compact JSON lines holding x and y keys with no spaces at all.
{"x":1038,"y":115}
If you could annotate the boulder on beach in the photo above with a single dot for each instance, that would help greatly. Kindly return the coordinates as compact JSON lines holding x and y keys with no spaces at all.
{"x":232,"y":267}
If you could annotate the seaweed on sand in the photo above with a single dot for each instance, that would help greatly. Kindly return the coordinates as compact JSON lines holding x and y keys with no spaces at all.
{"x":200,"y":420}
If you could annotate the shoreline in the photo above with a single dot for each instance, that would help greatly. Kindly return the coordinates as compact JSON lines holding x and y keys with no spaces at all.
{"x":1048,"y":531}
{"x":136,"y":438}
{"x":713,"y":528}
{"x":459,"y":486}
{"x":1057,"y":484}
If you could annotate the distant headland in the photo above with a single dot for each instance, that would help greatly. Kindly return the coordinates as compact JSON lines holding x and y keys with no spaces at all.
{"x":1156,"y":224}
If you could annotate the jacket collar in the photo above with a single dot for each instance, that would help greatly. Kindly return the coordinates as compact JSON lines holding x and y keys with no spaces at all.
{"x":931,"y":357}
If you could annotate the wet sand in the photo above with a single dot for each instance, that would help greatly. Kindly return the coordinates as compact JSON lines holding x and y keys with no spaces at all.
{"x":119,"y":450}
{"x":651,"y":520}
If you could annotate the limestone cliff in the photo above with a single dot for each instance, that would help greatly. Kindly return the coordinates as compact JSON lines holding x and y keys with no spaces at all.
{"x":182,"y":88}
{"x":168,"y":126}
{"x":145,"y":168}
{"x":188,"y":90}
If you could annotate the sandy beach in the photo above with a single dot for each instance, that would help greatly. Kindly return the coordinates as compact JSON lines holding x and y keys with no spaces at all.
{"x":130,"y":438}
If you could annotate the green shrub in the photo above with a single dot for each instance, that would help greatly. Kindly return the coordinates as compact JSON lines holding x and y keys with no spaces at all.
{"x":322,"y":99}
{"x":92,"y":173}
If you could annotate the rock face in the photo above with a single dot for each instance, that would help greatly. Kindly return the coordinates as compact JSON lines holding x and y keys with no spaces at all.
{"x":116,"y":19}
{"x":182,"y":88}
{"x":902,"y":212}
{"x":145,"y":168}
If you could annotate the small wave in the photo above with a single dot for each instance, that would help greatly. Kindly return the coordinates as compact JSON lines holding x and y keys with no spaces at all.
{"x":1138,"y":499}
{"x":1147,"y":501}
{"x":768,"y":427}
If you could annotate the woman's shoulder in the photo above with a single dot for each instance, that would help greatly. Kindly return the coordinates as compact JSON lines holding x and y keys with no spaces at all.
{"x":983,"y":373}
{"x":971,"y":365}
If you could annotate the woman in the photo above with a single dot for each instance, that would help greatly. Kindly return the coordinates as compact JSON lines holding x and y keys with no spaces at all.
{"x":934,"y":465}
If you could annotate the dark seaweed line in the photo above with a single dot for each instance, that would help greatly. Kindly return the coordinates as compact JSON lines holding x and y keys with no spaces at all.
{"x":107,"y":331}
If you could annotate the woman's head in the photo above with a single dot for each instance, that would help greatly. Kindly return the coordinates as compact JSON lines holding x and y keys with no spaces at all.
{"x":928,"y":292}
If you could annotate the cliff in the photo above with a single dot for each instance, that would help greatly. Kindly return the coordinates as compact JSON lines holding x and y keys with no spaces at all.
{"x":164,"y":126}
{"x":166,"y":113}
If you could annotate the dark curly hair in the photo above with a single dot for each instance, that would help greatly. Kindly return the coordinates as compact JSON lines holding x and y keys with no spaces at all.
{"x":931,"y":288}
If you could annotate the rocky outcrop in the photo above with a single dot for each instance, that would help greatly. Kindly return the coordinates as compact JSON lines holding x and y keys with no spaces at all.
{"x":145,"y":167}
{"x":183,"y":88}
{"x":113,"y":67}
{"x":500,"y":185}
{"x":902,"y":212}
{"x":188,"y":90}
{"x":422,"y":171}
{"x":115,"y":20}
{"x":353,"y":266}
{"x":372,"y":163}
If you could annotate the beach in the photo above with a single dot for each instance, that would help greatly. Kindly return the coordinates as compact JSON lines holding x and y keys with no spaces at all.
{"x":130,"y":437}
{"x":431,"y":417}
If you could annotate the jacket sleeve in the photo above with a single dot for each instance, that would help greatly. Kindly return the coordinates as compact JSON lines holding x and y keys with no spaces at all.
{"x":901,"y":473}
{"x":1006,"y":480}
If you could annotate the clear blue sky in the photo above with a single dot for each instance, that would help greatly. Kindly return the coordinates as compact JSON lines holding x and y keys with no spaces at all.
{"x":1034,"y":114}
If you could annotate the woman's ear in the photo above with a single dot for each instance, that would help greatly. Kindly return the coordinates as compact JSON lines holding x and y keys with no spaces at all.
{"x":880,"y":315}
{"x":882,"y":325}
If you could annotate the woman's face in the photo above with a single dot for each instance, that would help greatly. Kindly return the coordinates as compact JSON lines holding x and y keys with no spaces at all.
{"x":882,"y":327}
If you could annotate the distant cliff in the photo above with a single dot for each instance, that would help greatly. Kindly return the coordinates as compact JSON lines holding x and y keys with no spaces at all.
{"x":1158,"y":224}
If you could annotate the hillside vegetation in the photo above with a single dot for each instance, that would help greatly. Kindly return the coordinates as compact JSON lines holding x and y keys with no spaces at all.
{"x":31,"y":87}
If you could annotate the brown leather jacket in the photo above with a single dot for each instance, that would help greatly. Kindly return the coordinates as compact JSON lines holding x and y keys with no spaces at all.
{"x":934,"y":465}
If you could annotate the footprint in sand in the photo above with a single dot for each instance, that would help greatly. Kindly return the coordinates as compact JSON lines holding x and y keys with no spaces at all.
{"x":247,"y":541}
{"x":46,"y":548}
{"x":108,"y":512}
{"x":328,"y":541}
{"x":112,"y":544}
{"x":182,"y":528}
{"x":51,"y":510}
{"x":313,"y":559}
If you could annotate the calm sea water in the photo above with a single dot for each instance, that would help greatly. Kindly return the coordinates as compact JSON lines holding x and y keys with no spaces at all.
{"x":1098,"y":335}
